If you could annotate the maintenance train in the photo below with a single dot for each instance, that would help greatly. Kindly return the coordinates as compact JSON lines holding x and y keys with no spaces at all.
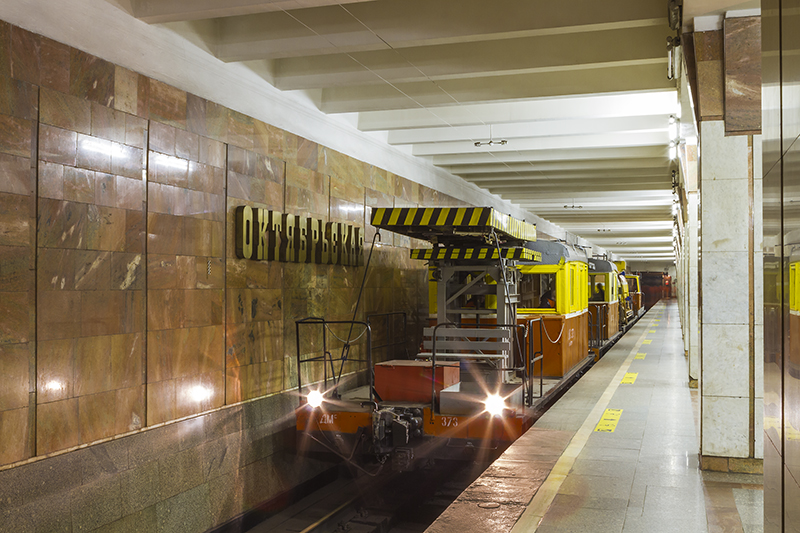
{"x":506,"y":310}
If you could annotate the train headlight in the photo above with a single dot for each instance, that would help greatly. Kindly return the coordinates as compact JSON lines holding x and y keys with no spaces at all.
{"x":314,"y":398}
{"x":495,"y":404}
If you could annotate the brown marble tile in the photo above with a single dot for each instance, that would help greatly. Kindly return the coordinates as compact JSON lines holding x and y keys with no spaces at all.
{"x":164,"y":309}
{"x":203,"y":307}
{"x":105,"y":229}
{"x":78,"y":185}
{"x":743,"y":75}
{"x":15,"y":175}
{"x":57,"y":426}
{"x":217,"y":121}
{"x":206,"y":178}
{"x":56,"y":269}
{"x":239,"y":186}
{"x":251,"y":305}
{"x":282,"y":144}
{"x":25,"y":53}
{"x":261,"y":134}
{"x":143,"y":97}
{"x":187,"y":145}
{"x":18,"y":99}
{"x":62,"y":224}
{"x":91,"y":269}
{"x":212,"y":152}
{"x":91,"y":78}
{"x":198,"y":351}
{"x":708,"y":45}
{"x":96,"y":414}
{"x":108,"y":124}
{"x":127,"y":271}
{"x":54,"y":61}
{"x":127,"y":161}
{"x":134,"y":131}
{"x":344,"y":189}
{"x":186,"y":271}
{"x":15,"y":325}
{"x":15,"y":221}
{"x":51,"y":180}
{"x":130,"y":193}
{"x":162,"y":138}
{"x":14,"y":439}
{"x":167,"y":104}
{"x":168,"y":169}
{"x":107,"y":313}
{"x":58,"y":145}
{"x":252,"y":342}
{"x":196,"y":115}
{"x":160,"y":345}
{"x":55,"y":361}
{"x":197,"y":238}
{"x":307,"y":154}
{"x":209,"y":273}
{"x":242,"y":273}
{"x":105,"y":189}
{"x":198,"y":393}
{"x":15,"y":136}
{"x":14,"y":378}
{"x":162,"y":272}
{"x":407,"y":190}
{"x":126,"y":90}
{"x":381,"y":180}
{"x":65,"y":111}
{"x":129,"y":409}
{"x":5,"y":49}
{"x":164,"y":233}
{"x":17,"y":272}
{"x":240,"y":130}
{"x":126,"y":360}
{"x":431,"y":196}
{"x":135,"y":231}
{"x":94,"y":153}
{"x":160,"y":402}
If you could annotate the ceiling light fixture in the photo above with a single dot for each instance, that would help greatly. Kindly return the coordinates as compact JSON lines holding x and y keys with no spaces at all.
{"x":491,"y":141}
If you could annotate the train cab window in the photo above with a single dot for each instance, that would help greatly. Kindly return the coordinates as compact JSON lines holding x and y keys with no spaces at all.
{"x":538,"y":291}
{"x":597,"y":288}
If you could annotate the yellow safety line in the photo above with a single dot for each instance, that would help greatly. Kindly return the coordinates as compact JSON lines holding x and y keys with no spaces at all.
{"x":530,"y":519}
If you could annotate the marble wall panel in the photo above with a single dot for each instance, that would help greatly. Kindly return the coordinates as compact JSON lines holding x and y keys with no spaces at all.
{"x":25,"y":48}
{"x":57,"y":426}
{"x":65,"y":111}
{"x":126,"y":90}
{"x":708,"y":48}
{"x":18,"y":98}
{"x":307,"y":154}
{"x":91,"y":78}
{"x":742,"y":75}
{"x":166,"y":104}
{"x":5,"y":49}
{"x":240,"y":130}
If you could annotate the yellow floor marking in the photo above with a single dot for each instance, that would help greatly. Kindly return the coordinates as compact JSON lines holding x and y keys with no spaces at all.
{"x":648,"y":341}
{"x":609,"y":421}
{"x":630,"y":378}
{"x":640,"y":355}
{"x":541,"y":501}
{"x":652,"y":331}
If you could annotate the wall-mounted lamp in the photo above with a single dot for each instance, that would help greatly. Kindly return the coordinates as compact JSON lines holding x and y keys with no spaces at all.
{"x":491,"y":141}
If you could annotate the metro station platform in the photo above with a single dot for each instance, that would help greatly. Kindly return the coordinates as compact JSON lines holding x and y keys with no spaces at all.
{"x":617,"y":453}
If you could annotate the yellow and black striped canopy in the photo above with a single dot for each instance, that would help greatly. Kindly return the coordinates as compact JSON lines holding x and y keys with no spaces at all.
{"x":451,"y":224}
{"x":484,"y":253}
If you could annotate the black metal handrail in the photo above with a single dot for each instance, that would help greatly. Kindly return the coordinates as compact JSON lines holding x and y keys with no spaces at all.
{"x":531,"y":358}
{"x":327,"y":358}
{"x":459,"y":325}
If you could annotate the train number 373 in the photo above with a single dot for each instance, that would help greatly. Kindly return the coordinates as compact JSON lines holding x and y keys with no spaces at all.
{"x":449,"y":421}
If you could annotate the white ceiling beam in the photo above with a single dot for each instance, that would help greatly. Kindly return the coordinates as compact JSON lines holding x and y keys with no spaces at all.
{"x":464,"y":60}
{"x":557,"y":165}
{"x":533,"y":156}
{"x":571,"y":142}
{"x":154,"y":11}
{"x":627,"y":104}
{"x":520,"y":130}
{"x":414,"y":23}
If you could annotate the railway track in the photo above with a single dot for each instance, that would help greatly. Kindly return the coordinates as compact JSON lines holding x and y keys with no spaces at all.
{"x":388,"y":503}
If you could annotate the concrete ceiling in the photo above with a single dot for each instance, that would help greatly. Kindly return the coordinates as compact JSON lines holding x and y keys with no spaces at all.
{"x":576,"y":88}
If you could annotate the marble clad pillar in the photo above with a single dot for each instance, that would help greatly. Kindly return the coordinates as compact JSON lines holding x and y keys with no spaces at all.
{"x":692,"y":321}
{"x":730,"y":403}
